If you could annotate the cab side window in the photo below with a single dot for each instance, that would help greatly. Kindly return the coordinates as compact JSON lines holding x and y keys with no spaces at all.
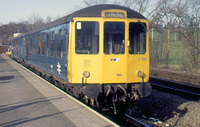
{"x":87,"y":37}
{"x":137,"y":37}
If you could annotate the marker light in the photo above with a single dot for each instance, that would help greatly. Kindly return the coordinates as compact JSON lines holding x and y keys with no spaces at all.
{"x":140,"y":73}
{"x":86,"y":74}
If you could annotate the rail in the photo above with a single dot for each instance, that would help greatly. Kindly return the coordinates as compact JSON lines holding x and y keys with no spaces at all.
{"x":182,"y":87}
{"x":135,"y":122}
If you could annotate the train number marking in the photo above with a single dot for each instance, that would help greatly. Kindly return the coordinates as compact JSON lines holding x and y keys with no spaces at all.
{"x":142,"y":59}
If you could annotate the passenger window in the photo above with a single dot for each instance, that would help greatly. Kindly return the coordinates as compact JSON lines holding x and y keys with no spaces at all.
{"x":59,"y":44}
{"x":60,"y":36}
{"x":87,"y":37}
{"x":43,"y":44}
{"x":114,"y":36}
{"x":39,"y":43}
{"x":31,"y":45}
{"x":137,"y":38}
{"x":52,"y":44}
{"x":29,"y":41}
{"x":47,"y":48}
{"x":34,"y":46}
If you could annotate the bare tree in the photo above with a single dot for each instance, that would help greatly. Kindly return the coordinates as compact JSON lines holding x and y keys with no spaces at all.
{"x":36,"y":20}
{"x":189,"y":32}
{"x":146,"y":7}
{"x":138,"y":5}
{"x":48,"y":19}
{"x":171,"y":11}
{"x":94,"y":2}
{"x":154,"y":15}
{"x":7,"y":30}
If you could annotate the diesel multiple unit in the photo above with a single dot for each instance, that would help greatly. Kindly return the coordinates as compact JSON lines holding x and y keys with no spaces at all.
{"x":99,"y":53}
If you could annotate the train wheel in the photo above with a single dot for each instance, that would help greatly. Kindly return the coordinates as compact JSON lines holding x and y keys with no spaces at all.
{"x":62,"y":86}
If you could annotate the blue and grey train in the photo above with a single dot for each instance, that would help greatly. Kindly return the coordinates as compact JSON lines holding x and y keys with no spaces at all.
{"x":99,"y":53}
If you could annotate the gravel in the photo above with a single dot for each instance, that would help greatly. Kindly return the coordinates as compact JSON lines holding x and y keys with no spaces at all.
{"x":166,"y":108}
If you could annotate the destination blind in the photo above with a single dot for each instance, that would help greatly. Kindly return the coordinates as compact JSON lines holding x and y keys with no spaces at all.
{"x":114,"y":15}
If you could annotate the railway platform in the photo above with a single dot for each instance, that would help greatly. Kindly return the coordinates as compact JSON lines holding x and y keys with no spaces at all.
{"x":26,"y":100}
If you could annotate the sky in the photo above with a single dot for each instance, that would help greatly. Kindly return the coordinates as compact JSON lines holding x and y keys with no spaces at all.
{"x":21,"y":10}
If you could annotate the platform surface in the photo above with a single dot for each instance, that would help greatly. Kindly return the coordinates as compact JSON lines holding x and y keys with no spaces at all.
{"x":27,"y":100}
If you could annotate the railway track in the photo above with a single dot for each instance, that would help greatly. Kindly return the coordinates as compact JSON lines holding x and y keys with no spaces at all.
{"x":135,"y":122}
{"x":186,"y":78}
{"x":177,"y":86}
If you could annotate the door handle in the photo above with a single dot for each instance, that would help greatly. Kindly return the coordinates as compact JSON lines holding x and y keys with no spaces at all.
{"x":128,"y":43}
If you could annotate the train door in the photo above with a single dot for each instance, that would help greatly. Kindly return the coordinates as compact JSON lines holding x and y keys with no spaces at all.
{"x":85,"y":56}
{"x":114,"y":60}
{"x":30,"y":49}
{"x":61,"y":52}
{"x":47,"y":46}
{"x":26,"y":49}
{"x":47,"y":53}
{"x":52,"y":52}
{"x":23,"y":48}
{"x":66,"y":58}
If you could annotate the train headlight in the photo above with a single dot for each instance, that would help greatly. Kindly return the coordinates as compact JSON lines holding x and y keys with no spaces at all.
{"x":140,"y":73}
{"x":86,"y":74}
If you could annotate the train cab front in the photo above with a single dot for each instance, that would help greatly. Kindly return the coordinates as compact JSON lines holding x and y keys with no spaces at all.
{"x":109,"y":55}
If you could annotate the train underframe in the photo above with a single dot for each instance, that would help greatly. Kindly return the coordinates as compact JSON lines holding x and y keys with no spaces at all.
{"x":115,"y":97}
{"x":106,"y":97}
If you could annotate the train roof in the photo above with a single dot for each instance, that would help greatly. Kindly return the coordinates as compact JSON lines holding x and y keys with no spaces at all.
{"x":96,"y":10}
{"x":92,"y":11}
